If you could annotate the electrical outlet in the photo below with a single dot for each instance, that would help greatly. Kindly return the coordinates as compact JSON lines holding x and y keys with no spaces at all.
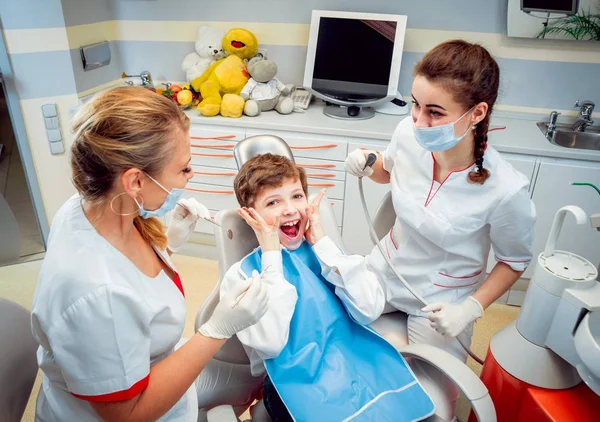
{"x":263,"y":51}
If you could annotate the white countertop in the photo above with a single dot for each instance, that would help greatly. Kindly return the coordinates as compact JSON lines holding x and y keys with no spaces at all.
{"x":521,"y":135}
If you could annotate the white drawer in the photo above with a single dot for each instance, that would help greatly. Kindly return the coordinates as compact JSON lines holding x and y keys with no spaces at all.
{"x":209,"y":157}
{"x":315,"y":163}
{"x":214,"y":198}
{"x":338,"y":209}
{"x":213,"y":175}
{"x":335,"y":188}
{"x":225,"y":177}
{"x":325,"y":174}
{"x":311,"y":146}
{"x":209,"y":134}
{"x":357,"y":143}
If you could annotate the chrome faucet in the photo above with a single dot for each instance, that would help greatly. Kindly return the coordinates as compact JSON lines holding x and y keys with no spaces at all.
{"x":584,"y":118}
{"x":144,"y":76}
{"x":552,"y":122}
{"x":551,"y":128}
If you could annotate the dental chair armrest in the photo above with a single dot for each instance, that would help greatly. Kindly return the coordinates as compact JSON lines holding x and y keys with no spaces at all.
{"x":459,"y":373}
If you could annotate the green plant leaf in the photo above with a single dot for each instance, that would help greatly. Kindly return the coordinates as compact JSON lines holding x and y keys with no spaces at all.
{"x":582,"y":26}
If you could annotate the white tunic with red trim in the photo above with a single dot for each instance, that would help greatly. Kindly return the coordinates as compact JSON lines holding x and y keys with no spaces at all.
{"x":442,"y":235}
{"x":100,"y":323}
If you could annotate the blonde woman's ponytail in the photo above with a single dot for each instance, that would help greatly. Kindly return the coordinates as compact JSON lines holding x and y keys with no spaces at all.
{"x":152,"y":231}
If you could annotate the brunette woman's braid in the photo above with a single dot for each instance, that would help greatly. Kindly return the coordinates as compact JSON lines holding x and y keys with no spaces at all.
{"x":480,"y":174}
{"x":471,"y":75}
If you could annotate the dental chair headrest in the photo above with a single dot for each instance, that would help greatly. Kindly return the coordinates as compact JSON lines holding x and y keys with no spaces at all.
{"x":260,"y":144}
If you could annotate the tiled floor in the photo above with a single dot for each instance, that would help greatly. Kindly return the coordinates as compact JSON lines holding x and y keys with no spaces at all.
{"x":13,"y":186}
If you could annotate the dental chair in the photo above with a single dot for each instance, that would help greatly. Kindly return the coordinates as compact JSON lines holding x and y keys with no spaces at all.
{"x":235,"y":239}
{"x":18,"y":362}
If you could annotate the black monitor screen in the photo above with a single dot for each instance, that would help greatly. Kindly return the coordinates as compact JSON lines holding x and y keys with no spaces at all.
{"x":354,"y":51}
{"x":549,"y":5}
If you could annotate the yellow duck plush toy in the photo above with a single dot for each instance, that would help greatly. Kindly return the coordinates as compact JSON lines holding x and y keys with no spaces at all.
{"x":221,"y":84}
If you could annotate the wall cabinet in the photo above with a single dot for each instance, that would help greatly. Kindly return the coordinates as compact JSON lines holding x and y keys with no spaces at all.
{"x":552,"y":191}
{"x":214,"y":169}
{"x":214,"y":166}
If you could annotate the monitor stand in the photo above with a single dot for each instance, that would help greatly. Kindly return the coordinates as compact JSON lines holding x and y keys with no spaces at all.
{"x":348,"y":113}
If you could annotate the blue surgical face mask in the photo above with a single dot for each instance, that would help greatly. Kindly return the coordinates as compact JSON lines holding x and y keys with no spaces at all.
{"x":173,"y":196}
{"x":438,"y":138}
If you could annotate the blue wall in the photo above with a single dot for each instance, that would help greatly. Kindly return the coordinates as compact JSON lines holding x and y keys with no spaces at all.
{"x":554,"y":83}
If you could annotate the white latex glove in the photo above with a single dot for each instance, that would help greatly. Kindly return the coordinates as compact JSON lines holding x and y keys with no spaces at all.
{"x":451,"y":319}
{"x":228,"y":317}
{"x":183,"y":221}
{"x":355,"y":162}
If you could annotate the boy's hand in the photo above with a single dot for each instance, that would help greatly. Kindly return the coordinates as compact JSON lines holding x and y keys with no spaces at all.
{"x":267,"y":235}
{"x":314,"y":232}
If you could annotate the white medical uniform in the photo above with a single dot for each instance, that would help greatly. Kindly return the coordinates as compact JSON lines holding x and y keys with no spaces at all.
{"x":443,"y":231}
{"x":441,"y":240}
{"x":101,"y":323}
{"x":363,"y":299}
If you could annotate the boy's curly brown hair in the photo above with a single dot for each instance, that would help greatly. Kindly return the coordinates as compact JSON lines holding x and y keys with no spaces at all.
{"x":265,"y":171}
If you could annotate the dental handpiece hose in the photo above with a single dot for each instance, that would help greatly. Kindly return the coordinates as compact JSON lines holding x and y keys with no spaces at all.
{"x":371,"y":158}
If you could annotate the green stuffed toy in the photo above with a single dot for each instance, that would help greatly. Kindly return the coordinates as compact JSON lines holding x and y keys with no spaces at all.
{"x":221,"y":84}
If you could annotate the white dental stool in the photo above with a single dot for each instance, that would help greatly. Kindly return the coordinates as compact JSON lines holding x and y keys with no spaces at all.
{"x":18,"y":362}
{"x":235,"y":239}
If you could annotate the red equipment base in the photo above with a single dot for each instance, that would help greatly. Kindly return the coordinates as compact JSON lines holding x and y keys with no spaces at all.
{"x":517,"y":401}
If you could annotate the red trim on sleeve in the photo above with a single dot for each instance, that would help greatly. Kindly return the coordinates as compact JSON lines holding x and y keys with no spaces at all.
{"x":128,"y":394}
{"x":177,"y":281}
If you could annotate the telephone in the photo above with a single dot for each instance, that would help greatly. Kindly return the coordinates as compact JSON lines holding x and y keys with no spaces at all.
{"x":301,"y":98}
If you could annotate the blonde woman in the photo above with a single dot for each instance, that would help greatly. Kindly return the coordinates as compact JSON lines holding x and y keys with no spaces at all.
{"x":109,"y":307}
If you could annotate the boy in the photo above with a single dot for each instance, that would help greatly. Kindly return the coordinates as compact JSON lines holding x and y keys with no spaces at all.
{"x":313,"y":351}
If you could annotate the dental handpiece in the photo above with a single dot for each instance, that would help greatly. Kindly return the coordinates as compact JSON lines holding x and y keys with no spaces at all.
{"x":371,"y":158}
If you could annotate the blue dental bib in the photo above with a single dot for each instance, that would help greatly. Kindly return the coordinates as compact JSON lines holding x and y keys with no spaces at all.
{"x":332,"y":368}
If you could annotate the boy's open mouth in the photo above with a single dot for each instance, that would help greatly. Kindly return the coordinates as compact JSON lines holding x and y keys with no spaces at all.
{"x":291,"y":229}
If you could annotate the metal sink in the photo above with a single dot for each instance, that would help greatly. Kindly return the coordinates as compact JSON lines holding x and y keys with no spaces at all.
{"x":564,"y":136}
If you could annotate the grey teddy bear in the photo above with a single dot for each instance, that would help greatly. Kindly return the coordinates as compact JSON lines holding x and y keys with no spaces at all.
{"x":264,"y":91}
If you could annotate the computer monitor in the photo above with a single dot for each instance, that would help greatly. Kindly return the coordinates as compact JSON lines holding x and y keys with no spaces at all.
{"x":353,"y":60}
{"x":568,"y":7}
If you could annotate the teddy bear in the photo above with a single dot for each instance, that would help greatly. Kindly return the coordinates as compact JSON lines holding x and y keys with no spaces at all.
{"x":208,"y":48}
{"x":264,"y":91}
{"x":221,"y":84}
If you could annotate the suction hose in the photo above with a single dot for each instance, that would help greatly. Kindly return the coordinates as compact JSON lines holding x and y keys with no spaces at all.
{"x":370,"y":161}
